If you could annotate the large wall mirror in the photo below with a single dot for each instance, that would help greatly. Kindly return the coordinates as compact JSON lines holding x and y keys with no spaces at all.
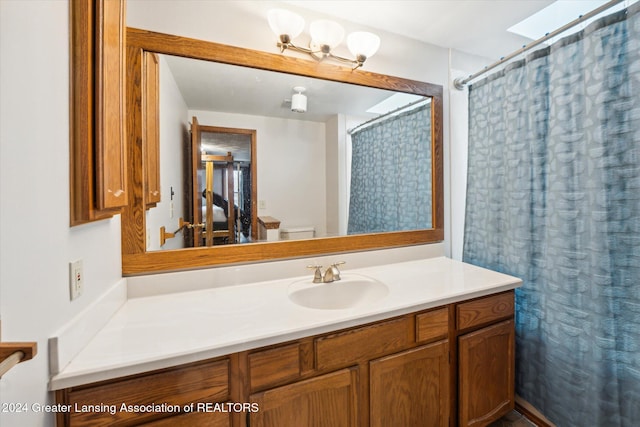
{"x":248,"y":170}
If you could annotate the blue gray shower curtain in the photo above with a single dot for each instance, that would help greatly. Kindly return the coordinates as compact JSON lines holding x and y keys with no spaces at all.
{"x":553,"y":197}
{"x":391,"y":174}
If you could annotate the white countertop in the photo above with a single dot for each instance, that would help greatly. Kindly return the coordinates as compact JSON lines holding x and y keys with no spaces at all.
{"x":161,"y":331}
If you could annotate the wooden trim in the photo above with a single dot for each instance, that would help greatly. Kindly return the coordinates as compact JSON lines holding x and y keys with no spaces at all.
{"x":211,"y":158}
{"x":453,"y":367}
{"x":195,"y":164}
{"x":208,"y":234}
{"x":14,"y":353}
{"x":30,"y":349}
{"x":531,"y":413}
{"x":187,"y":47}
{"x":80,"y":109}
{"x":135,"y":259}
{"x":180,"y":259}
{"x":269,"y":222}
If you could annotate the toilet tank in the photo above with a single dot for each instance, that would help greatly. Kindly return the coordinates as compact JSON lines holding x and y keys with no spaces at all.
{"x":293,"y":233}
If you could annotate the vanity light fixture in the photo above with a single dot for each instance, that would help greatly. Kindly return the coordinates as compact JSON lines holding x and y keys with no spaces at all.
{"x":325,"y":36}
{"x":299,"y":100}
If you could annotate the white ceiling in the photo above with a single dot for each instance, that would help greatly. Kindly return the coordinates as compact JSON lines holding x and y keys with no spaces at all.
{"x":251,"y":91}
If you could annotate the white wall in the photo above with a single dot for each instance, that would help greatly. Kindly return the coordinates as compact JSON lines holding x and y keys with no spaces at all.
{"x":461,"y":65}
{"x":334,"y":173}
{"x":291,"y":166}
{"x":174,"y":134}
{"x":36,"y":242}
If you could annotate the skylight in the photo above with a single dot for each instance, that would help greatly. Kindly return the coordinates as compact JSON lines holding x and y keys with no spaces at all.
{"x":558,"y":14}
{"x":394,"y":102}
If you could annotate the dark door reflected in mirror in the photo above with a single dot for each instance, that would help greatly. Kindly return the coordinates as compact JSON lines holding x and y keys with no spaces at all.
{"x":222,"y":191}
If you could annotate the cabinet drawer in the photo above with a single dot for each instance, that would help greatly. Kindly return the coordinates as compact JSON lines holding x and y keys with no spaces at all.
{"x":275,"y":366}
{"x":484,"y":310}
{"x":199,"y":382}
{"x":345,"y":348}
{"x":432,"y":325}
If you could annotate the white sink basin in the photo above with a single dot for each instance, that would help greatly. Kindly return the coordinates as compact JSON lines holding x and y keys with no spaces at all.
{"x":352,"y":291}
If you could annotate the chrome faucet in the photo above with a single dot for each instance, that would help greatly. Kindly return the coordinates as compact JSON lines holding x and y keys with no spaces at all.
{"x":331,"y":275}
{"x":317,"y":276}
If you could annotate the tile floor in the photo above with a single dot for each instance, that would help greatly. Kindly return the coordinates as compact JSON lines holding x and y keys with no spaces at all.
{"x":513,"y":419}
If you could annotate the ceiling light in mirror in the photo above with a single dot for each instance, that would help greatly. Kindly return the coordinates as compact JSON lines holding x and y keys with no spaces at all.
{"x":299,"y":100}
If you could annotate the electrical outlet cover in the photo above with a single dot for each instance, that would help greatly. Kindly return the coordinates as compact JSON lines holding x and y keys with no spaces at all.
{"x":76,"y":279}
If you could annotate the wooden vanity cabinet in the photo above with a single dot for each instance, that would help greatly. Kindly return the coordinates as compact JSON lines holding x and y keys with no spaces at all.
{"x":486,"y":359}
{"x":453,"y":365}
{"x":393,"y":372}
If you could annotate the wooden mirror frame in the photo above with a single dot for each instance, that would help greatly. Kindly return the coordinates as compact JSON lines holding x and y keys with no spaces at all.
{"x":135,"y":258}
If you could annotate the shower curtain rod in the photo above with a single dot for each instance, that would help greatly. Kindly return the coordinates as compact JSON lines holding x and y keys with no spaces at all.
{"x":388,"y":113}
{"x":460,"y":83}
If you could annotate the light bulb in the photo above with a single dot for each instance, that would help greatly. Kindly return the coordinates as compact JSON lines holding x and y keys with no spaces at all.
{"x":283,"y":21}
{"x":363,"y":43}
{"x":326,"y":33}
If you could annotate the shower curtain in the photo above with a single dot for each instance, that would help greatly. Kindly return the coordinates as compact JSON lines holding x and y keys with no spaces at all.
{"x":553,"y":197}
{"x":391,"y":174}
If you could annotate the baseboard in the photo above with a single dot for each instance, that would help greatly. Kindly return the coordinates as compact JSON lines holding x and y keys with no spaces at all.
{"x":532,"y":414}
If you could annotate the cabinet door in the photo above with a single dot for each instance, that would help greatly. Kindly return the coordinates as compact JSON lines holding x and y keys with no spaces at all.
{"x":97,"y":117}
{"x":326,"y":401}
{"x":151,"y":138}
{"x":110,"y":104}
{"x":411,"y":388}
{"x":486,"y":374}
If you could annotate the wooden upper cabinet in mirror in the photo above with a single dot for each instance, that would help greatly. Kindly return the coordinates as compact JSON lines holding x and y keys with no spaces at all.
{"x":151,"y":108}
{"x":136,"y":259}
{"x":97,"y":126}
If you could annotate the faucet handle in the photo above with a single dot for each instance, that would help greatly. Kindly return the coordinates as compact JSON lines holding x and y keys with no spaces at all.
{"x":317,"y":276}
{"x":335,"y":271}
